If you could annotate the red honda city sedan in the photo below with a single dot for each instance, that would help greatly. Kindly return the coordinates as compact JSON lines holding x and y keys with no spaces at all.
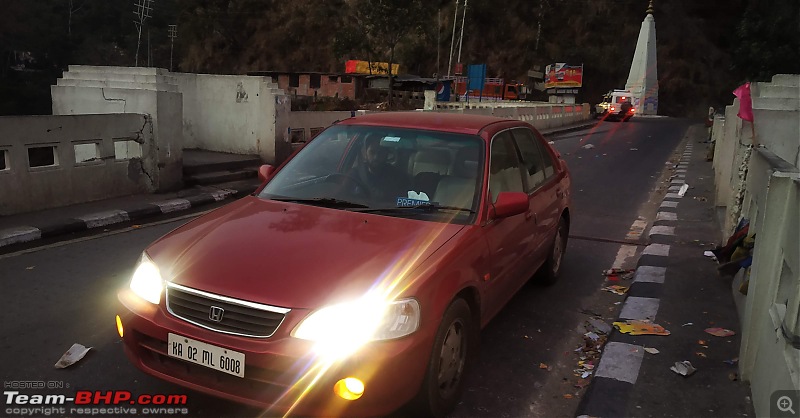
{"x":356,"y":280}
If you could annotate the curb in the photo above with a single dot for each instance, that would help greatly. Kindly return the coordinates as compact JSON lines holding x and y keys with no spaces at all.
{"x":25,"y":234}
{"x":609,"y":391}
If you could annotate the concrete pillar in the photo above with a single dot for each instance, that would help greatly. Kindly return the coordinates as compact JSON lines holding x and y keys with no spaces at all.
{"x":643,"y":77}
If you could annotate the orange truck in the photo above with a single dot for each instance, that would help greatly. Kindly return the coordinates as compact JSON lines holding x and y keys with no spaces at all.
{"x":493,"y":88}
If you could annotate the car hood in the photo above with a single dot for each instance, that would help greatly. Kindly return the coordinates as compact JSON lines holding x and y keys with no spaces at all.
{"x":293,"y":255}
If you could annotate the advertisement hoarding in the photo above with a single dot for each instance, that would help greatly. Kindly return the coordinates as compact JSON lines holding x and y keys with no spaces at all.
{"x":562,"y":75}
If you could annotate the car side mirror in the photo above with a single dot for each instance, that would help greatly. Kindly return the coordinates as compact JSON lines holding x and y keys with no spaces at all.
{"x":265,"y":172}
{"x":510,"y":204}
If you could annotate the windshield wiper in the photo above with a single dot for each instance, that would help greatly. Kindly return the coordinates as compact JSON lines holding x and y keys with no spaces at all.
{"x":429,"y":208}
{"x":327,"y":202}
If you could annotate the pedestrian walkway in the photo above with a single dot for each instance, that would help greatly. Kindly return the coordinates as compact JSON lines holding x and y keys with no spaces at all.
{"x":678,"y":288}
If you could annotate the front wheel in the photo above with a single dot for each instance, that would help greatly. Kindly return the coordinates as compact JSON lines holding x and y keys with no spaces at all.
{"x":454,"y":347}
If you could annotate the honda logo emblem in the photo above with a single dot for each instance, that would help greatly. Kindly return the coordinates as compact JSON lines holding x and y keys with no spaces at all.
{"x":215,"y":313}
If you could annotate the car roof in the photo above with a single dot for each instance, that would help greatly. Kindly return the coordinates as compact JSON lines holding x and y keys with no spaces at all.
{"x":433,"y":121}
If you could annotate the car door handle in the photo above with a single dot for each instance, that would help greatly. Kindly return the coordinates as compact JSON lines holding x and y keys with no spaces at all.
{"x":559,"y":193}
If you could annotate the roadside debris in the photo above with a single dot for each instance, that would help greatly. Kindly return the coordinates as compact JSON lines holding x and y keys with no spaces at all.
{"x":651,"y":350}
{"x":710,"y":254}
{"x":634,"y":327}
{"x":72,"y":356}
{"x":688,"y":324}
{"x":634,"y":149}
{"x":600,"y":326}
{"x":720,"y":332}
{"x":616,"y":289}
{"x":618,"y":273}
{"x":732,"y":361}
{"x":544,"y":366}
{"x":733,"y":376}
{"x":683,"y":368}
{"x":683,"y":189}
{"x":588,"y":146}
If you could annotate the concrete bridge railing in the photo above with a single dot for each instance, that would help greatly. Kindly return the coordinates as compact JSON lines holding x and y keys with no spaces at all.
{"x":51,"y":161}
{"x":757,"y":178}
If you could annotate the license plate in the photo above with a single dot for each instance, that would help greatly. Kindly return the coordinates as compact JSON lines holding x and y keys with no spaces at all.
{"x":211,"y":356}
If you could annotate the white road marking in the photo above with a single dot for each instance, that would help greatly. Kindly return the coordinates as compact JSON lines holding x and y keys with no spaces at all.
{"x":672,"y":196}
{"x":623,"y":254}
{"x":669,"y":204}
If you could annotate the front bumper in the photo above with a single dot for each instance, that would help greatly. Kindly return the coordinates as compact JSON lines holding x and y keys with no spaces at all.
{"x":281,"y":372}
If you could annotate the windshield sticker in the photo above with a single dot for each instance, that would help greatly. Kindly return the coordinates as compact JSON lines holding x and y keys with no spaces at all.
{"x":419,"y":196}
{"x":403,"y":202}
{"x":391,"y":139}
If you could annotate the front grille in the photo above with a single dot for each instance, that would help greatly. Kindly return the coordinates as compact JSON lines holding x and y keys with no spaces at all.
{"x":239,"y":317}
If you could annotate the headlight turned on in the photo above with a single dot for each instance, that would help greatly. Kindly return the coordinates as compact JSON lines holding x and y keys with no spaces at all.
{"x":146,"y":281}
{"x":340,"y":330}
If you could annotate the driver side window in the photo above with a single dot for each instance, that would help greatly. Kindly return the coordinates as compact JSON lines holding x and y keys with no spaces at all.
{"x":505,"y":174}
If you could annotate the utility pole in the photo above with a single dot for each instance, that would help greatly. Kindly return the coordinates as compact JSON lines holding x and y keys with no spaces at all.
{"x":438,"y":41}
{"x":452,"y":40}
{"x":142,"y":12}
{"x":463,"y":23}
{"x":173,"y":33}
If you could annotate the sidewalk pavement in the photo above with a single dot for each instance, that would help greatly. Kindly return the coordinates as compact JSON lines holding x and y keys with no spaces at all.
{"x":27,"y":227}
{"x":677,"y":287}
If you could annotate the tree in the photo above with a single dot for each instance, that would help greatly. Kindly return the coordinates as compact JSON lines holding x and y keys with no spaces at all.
{"x":386,"y":22}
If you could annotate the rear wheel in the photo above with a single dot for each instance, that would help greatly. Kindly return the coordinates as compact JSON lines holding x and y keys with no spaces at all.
{"x":549,"y":272}
{"x":451,"y":358}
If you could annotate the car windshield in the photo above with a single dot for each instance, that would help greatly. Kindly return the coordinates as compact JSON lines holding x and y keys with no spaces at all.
{"x":388,"y":171}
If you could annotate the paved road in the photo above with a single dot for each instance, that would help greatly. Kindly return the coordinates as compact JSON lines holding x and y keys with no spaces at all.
{"x":66,"y":293}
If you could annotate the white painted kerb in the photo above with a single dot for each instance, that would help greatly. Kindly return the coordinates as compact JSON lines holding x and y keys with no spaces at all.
{"x":621,"y":362}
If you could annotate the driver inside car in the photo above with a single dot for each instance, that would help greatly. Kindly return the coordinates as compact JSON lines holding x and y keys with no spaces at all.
{"x":382,"y":179}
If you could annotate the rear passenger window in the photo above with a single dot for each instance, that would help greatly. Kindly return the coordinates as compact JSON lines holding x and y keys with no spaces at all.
{"x":505,"y":175}
{"x":531,"y":158}
{"x":546,"y":156}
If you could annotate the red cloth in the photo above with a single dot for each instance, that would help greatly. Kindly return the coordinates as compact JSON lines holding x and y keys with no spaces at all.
{"x":745,"y":102}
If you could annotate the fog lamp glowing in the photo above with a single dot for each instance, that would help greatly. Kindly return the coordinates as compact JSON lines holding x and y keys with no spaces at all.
{"x":349,"y":388}
{"x":119,"y":326}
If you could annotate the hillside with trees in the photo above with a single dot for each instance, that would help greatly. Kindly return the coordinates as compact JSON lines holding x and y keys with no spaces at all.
{"x":705,"y":48}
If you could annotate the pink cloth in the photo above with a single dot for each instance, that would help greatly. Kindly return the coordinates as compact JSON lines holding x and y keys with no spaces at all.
{"x":745,"y":102}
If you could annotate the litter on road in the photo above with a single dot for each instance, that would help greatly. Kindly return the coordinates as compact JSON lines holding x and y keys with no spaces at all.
{"x":720,"y":332}
{"x":72,"y":356}
{"x":683,"y":189}
{"x":683,"y":368}
{"x":588,"y":146}
{"x":651,"y":350}
{"x":732,"y":361}
{"x":634,"y":327}
{"x":710,"y":254}
{"x":616,"y":289}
